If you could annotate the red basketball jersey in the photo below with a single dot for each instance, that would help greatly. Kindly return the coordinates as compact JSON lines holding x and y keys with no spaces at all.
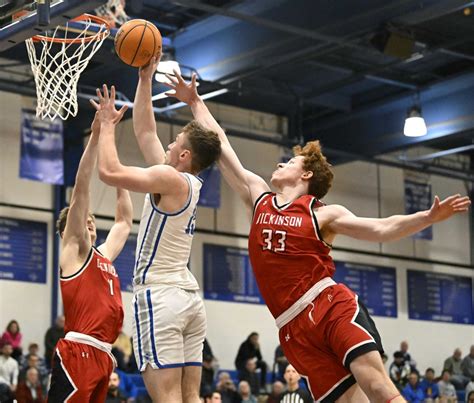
{"x":286,"y":251}
{"x":92,"y":299}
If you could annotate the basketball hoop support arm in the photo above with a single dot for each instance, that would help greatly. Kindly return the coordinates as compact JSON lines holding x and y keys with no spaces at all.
{"x":43,"y":13}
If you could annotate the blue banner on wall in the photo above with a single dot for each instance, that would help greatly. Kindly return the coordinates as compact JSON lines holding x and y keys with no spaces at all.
{"x":440,"y":297}
{"x":375,"y":285}
{"x":228,"y":275}
{"x":23,"y":250}
{"x":211,"y":188}
{"x":41,"y":152}
{"x":125,"y":262}
{"x":417,"y":198}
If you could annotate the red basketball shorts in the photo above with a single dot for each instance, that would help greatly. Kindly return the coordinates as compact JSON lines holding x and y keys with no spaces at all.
{"x":80,"y":373}
{"x":326,"y":337}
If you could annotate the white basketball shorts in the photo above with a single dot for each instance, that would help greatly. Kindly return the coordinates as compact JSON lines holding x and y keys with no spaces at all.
{"x":169,"y":327}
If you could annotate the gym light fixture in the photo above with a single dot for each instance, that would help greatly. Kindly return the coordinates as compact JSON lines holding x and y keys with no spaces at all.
{"x":415,"y":125}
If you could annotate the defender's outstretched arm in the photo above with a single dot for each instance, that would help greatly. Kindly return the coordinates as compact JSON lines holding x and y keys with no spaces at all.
{"x":247,"y":184}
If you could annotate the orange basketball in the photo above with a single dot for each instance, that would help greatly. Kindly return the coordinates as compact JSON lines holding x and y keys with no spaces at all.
{"x":137,"y":41}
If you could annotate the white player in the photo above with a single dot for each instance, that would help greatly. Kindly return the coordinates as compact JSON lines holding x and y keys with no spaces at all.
{"x":169,"y":315}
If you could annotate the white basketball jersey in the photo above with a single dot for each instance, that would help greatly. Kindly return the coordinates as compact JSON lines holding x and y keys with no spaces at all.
{"x":164,"y":242}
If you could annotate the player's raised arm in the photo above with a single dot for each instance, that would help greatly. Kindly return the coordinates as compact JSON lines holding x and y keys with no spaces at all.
{"x":144,"y":124}
{"x":338,"y":220}
{"x":162,"y":179}
{"x":248,"y":185}
{"x":76,"y":240}
{"x":118,"y":234}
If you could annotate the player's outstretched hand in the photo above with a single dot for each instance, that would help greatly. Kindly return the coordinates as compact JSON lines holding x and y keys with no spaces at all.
{"x":442,"y":210}
{"x":106,"y":106}
{"x":184,"y":92}
{"x":147,"y":72}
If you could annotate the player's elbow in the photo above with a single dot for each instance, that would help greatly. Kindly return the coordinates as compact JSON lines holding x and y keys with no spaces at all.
{"x":108,"y":176}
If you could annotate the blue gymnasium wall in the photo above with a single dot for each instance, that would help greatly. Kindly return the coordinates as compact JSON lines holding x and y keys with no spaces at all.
{"x":230,"y":323}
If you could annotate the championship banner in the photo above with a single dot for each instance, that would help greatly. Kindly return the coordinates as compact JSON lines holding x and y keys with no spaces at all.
{"x":23,"y":250}
{"x":228,"y":275}
{"x":418,"y":197}
{"x":41,"y":152}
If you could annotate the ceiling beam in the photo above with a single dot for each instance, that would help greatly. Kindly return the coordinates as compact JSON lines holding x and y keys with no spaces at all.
{"x":371,"y":77}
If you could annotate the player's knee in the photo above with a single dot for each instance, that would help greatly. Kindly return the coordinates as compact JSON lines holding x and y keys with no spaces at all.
{"x":379,"y":388}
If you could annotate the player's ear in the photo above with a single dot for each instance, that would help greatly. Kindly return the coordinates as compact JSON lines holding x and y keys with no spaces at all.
{"x":307,"y":175}
{"x":185,"y":154}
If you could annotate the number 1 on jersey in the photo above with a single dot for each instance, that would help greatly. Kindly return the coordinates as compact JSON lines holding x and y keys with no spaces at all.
{"x":280,"y":237}
{"x":111,"y":284}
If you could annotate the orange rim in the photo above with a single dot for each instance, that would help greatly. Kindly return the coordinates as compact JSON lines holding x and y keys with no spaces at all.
{"x":84,"y":17}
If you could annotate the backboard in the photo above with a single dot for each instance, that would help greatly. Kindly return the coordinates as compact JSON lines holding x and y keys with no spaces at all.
{"x":19,"y":18}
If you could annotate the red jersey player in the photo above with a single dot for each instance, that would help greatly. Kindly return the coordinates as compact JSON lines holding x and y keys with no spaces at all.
{"x":325,"y":332}
{"x":90,"y":291}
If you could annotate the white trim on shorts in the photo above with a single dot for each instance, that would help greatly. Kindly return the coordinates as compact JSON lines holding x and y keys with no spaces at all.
{"x":333,"y":387}
{"x":360,"y":327}
{"x":68,"y":376}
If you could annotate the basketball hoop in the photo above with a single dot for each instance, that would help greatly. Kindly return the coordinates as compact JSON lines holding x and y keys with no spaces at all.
{"x":56,"y":71}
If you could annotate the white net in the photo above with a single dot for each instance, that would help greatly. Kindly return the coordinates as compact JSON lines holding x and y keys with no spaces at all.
{"x":57,"y":66}
{"x":114,"y":12}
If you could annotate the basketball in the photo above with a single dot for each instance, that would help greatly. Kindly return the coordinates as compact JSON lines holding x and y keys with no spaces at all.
{"x":137,"y":41}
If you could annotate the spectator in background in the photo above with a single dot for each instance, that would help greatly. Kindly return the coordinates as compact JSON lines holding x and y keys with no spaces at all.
{"x":122,"y":351}
{"x":429,"y":387}
{"x":207,"y":376}
{"x":208,"y":354}
{"x":33,"y":362}
{"x":453,"y":365}
{"x":249,"y":374}
{"x":114,"y":395}
{"x":8,"y":374}
{"x":467,"y":364}
{"x":470,"y":397}
{"x":33,"y":349}
{"x":399,"y":370}
{"x":53,"y":334}
{"x":469,"y":388}
{"x":277,"y":390}
{"x":13,"y":336}
{"x":227,"y":389}
{"x":407,"y":358}
{"x":245,"y":393}
{"x":281,"y":363}
{"x":250,"y":348}
{"x":447,"y":392}
{"x":412,"y":392}
{"x":30,"y":390}
{"x":213,"y":397}
{"x":294,"y":393}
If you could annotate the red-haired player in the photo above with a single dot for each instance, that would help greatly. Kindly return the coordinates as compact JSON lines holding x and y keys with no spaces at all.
{"x":325,"y":331}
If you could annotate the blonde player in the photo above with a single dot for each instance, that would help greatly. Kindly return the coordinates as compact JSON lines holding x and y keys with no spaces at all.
{"x":170,"y":321}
